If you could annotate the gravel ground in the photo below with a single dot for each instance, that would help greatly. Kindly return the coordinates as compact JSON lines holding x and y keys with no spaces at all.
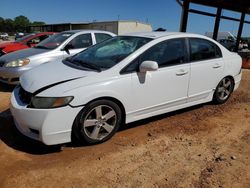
{"x":203,"y":146}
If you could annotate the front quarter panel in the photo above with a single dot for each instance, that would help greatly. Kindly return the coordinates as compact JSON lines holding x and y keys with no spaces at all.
{"x":118,"y":87}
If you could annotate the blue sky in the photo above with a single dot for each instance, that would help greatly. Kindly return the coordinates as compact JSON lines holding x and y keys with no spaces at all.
{"x":159,"y":13}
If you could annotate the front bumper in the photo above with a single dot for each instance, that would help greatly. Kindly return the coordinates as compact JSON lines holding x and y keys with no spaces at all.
{"x":50,"y":126}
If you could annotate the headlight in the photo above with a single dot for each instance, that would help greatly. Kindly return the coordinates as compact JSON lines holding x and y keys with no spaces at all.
{"x":17,"y":63}
{"x":50,"y":102}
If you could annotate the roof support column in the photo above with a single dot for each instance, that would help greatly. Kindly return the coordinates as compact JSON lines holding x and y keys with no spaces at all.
{"x":184,"y":17}
{"x":217,"y":23}
{"x":242,"y":19}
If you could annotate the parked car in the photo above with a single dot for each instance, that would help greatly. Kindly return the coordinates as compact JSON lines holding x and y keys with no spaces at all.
{"x":24,"y":42}
{"x":56,"y":47}
{"x":19,"y":35}
{"x":121,"y":80}
{"x":4,"y":36}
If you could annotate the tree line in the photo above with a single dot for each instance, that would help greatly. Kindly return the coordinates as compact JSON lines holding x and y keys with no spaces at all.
{"x":18,"y":24}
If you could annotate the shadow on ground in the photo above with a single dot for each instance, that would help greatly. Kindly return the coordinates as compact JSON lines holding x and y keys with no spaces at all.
{"x":14,"y":139}
{"x":6,"y":87}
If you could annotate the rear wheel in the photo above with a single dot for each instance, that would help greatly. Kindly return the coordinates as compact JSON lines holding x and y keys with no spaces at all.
{"x":223,"y":90}
{"x":97,"y":122}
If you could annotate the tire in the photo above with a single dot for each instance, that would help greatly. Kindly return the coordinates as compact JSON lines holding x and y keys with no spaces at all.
{"x":97,"y":122}
{"x":223,"y":90}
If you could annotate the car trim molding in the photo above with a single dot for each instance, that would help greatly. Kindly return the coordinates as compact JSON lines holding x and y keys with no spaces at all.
{"x":52,"y":85}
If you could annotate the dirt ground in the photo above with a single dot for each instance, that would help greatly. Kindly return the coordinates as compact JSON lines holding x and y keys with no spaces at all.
{"x":203,"y":146}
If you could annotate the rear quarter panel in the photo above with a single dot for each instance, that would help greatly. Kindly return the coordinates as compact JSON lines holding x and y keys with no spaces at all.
{"x":233,"y":63}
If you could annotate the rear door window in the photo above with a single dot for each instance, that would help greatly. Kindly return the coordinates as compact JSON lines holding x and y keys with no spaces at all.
{"x":202,"y":49}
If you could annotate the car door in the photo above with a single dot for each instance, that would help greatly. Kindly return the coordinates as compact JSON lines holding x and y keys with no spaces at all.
{"x":79,"y":43}
{"x":157,"y":91}
{"x":206,"y":68}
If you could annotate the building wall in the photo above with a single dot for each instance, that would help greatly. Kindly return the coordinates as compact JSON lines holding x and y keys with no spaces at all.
{"x":79,"y":26}
{"x":117,"y":27}
{"x":132,"y":26}
{"x":106,"y":26}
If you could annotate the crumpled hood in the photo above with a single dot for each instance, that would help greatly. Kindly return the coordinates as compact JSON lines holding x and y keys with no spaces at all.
{"x":20,"y":54}
{"x":50,"y":74}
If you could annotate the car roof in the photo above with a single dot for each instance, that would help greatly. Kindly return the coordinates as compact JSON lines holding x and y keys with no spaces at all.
{"x":85,"y":31}
{"x":44,"y":33}
{"x":159,"y":34}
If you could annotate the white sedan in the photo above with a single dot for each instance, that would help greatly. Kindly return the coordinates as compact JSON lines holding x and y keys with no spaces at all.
{"x":121,"y":80}
{"x":56,"y":47}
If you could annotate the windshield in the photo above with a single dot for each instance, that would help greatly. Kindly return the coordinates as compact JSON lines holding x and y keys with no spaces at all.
{"x":54,"y":41}
{"x":110,"y":52}
{"x":24,"y":38}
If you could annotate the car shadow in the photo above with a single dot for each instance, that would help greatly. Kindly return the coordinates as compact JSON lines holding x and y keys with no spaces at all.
{"x":14,"y":139}
{"x":6,"y":87}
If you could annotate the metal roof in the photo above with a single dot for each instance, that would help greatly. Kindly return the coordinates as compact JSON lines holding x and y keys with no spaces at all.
{"x":234,"y":5}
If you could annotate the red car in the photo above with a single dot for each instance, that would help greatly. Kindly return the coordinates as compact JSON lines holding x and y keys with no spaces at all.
{"x":24,"y":42}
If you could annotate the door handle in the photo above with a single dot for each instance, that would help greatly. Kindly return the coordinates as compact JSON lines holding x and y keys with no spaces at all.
{"x":216,"y":65}
{"x":181,"y":72}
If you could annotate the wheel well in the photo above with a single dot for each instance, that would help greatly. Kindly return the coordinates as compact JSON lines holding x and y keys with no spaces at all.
{"x":119,"y":103}
{"x":74,"y":136}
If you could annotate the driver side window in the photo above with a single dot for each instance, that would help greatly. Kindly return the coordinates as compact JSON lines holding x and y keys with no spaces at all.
{"x":81,"y":41}
{"x":167,"y":53}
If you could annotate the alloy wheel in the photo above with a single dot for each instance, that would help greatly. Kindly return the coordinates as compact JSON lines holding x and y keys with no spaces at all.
{"x":99,"y":122}
{"x":225,"y":89}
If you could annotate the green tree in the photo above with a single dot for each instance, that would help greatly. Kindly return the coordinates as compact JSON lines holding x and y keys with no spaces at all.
{"x":21,"y":23}
{"x":8,"y":25}
{"x":38,"y":23}
{"x":1,"y":24}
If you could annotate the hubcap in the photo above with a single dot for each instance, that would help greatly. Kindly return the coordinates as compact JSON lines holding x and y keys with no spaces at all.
{"x":224,"y":89}
{"x":99,"y":122}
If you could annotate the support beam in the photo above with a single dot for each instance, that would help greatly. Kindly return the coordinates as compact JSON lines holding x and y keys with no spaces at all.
{"x":184,"y":19}
{"x":217,"y":23}
{"x":202,"y":13}
{"x":214,"y":15}
{"x":242,"y":19}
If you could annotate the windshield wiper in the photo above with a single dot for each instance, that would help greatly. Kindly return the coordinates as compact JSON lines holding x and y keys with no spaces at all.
{"x":87,"y":65}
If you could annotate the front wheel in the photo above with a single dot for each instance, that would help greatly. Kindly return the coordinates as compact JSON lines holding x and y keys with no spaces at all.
{"x":97,"y":122}
{"x":223,"y":90}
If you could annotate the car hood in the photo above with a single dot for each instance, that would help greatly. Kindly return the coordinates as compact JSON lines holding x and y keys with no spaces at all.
{"x":22,"y":54}
{"x":50,"y":74}
{"x":3,"y":45}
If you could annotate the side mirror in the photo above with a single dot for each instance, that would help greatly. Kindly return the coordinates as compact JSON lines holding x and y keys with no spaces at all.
{"x":67,"y":48}
{"x":148,"y":66}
